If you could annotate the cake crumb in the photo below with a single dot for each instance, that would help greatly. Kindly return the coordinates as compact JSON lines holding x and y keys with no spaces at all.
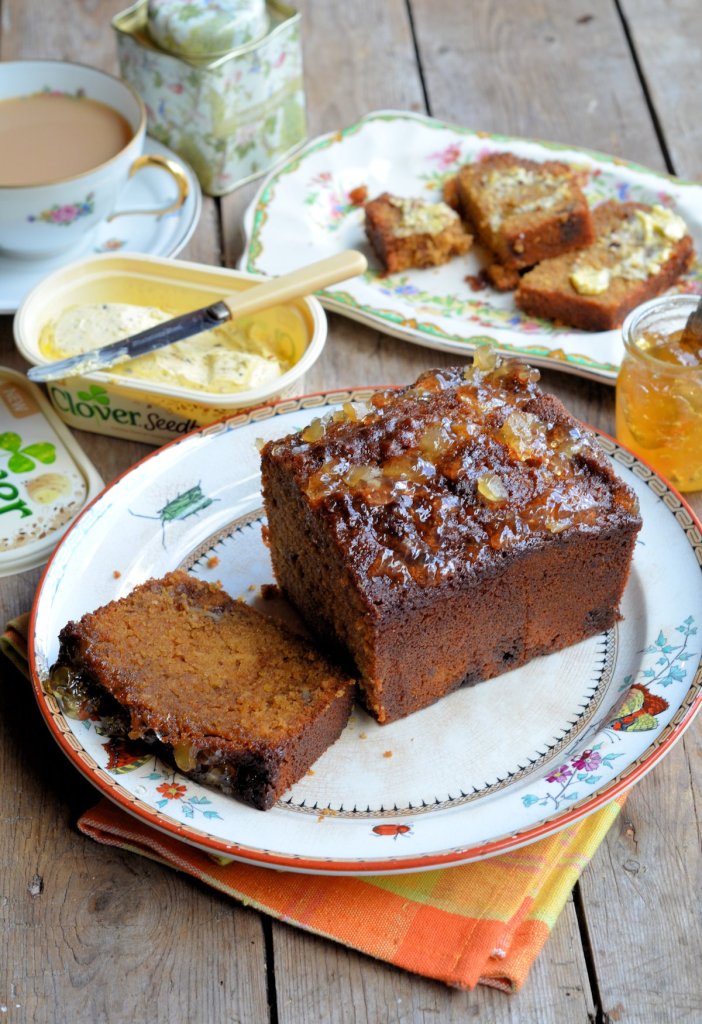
{"x":358,"y":196}
{"x":310,"y":771}
{"x":212,"y":562}
{"x":116,"y":574}
{"x":505,"y":279}
{"x":476,"y":282}
{"x":363,"y":735}
{"x":387,"y":753}
{"x":327,"y":812}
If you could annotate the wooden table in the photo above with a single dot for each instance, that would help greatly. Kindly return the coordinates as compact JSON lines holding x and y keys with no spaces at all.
{"x":93,"y":934}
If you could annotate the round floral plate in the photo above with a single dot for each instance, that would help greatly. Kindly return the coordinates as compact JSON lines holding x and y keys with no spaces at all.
{"x":487,"y":769}
{"x":305,"y":210}
{"x":150,"y":189}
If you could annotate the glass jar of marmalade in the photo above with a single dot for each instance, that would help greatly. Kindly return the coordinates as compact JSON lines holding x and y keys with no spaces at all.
{"x":659,"y":390}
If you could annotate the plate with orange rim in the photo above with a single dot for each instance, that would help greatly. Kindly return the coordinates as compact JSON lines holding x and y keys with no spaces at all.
{"x":305,"y":209}
{"x":487,"y":769}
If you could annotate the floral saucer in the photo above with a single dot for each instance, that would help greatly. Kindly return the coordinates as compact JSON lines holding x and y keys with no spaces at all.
{"x":158,"y":236}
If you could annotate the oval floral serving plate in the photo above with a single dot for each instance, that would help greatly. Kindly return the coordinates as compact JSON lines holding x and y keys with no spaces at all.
{"x":488,"y":768}
{"x":305,"y":210}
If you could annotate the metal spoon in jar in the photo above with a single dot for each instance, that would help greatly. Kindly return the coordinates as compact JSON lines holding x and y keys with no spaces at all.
{"x":303,"y":281}
{"x":691,"y":337}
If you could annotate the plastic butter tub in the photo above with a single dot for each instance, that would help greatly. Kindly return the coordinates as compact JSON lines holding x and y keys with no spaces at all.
{"x":45,"y":479}
{"x":154,"y":409}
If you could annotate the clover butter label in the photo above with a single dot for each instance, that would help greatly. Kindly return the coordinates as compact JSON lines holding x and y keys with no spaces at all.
{"x":41,"y":487}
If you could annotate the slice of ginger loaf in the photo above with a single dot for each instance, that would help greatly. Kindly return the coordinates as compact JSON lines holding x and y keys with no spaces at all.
{"x":238,"y":700}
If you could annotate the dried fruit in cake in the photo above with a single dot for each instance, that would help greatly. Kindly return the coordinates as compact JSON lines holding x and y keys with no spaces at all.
{"x":638,"y":252}
{"x":238,"y":700}
{"x":408,"y":233}
{"x":458,"y":528}
{"x":524,"y":211}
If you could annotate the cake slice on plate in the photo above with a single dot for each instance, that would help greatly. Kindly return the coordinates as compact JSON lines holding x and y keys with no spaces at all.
{"x":522,"y":210}
{"x":639,"y":251}
{"x":238,"y":700}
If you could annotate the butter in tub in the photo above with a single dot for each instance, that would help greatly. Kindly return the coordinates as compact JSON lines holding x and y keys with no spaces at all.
{"x":220,"y":372}
{"x":236,"y":356}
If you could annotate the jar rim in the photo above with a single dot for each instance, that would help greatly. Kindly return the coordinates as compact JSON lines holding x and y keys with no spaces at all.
{"x":663,"y":303}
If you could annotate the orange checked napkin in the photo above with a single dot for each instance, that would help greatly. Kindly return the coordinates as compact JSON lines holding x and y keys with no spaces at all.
{"x":481,"y":923}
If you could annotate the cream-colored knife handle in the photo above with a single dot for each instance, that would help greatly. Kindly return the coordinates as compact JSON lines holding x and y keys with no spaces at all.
{"x":297,"y":283}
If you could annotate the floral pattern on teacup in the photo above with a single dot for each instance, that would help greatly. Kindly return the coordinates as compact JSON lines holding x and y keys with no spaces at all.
{"x":67,"y":213}
{"x":111,"y":245}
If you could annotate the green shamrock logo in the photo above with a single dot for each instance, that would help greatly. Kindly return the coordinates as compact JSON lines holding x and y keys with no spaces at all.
{"x":22,"y":459}
{"x":95,"y":394}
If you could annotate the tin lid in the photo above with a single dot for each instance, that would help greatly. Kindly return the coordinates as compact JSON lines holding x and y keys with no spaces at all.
{"x":205,"y":28}
{"x":45,"y":479}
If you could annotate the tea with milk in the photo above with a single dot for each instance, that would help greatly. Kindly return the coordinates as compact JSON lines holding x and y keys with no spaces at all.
{"x":47,"y":137}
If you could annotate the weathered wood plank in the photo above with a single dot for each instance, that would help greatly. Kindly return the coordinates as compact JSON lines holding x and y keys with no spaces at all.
{"x":95,"y":935}
{"x":667,"y":38}
{"x":641,"y":898}
{"x":541,"y":69}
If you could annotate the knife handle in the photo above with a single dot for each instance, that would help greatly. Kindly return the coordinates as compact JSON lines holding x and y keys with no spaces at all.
{"x":297,"y":283}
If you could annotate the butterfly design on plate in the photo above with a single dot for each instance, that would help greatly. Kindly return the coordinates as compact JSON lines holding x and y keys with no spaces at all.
{"x":638,"y":711}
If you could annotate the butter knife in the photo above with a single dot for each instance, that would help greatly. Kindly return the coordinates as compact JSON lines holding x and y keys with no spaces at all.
{"x":304,"y":281}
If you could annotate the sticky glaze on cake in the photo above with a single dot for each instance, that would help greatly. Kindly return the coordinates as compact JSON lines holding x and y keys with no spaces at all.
{"x":241,"y":702}
{"x":459,"y":528}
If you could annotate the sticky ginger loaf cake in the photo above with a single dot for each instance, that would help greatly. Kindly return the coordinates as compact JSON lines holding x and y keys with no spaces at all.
{"x":238,"y":700}
{"x":459,"y":528}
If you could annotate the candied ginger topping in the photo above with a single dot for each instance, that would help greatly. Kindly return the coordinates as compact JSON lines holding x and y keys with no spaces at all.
{"x":460,"y":464}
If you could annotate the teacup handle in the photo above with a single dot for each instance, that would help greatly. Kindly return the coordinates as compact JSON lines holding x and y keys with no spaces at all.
{"x":176,"y":172}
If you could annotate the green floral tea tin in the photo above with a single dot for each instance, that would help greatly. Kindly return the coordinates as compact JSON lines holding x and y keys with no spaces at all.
{"x":233,"y":117}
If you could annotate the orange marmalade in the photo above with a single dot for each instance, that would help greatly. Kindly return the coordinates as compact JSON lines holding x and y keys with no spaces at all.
{"x":659,"y":391}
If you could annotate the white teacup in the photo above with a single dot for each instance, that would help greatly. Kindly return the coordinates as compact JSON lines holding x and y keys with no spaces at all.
{"x":45,"y":218}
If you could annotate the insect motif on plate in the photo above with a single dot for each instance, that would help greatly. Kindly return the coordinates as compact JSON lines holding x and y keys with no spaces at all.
{"x":638,"y":710}
{"x":392,"y":830}
{"x":186,"y":504}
